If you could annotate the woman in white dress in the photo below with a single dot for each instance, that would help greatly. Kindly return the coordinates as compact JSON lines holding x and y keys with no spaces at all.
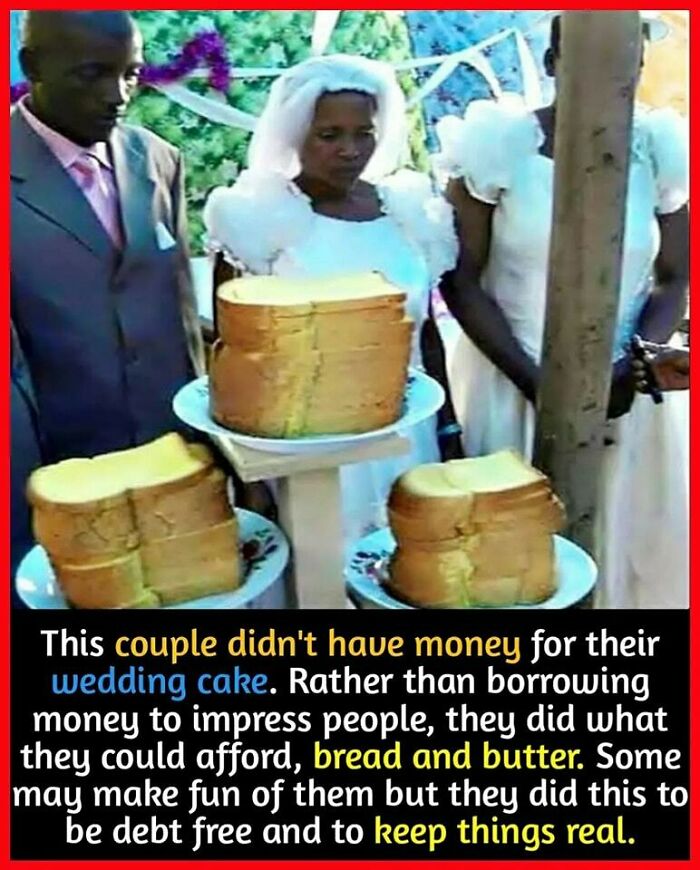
{"x":320,"y":198}
{"x":499,"y":158}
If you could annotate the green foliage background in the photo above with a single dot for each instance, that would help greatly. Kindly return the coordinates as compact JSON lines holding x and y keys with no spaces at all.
{"x":214,"y":154}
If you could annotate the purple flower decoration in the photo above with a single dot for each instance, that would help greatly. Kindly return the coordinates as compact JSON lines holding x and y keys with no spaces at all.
{"x":206,"y":49}
{"x":17,"y":91}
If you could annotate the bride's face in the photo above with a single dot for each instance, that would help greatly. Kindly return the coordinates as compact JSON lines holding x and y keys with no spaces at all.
{"x":340,"y":140}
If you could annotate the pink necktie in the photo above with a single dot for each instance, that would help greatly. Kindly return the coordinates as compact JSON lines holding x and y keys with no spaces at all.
{"x":91,"y":178}
{"x":90,"y":174}
{"x":86,"y":177}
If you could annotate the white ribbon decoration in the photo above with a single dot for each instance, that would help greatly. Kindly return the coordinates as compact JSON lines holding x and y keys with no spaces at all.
{"x":472,"y":56}
{"x":324,"y":25}
{"x":209,"y":107}
{"x":532,"y":87}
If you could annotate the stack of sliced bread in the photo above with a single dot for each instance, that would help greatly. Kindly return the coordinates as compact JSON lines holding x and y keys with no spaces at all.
{"x":309,"y":357}
{"x":137,"y":528}
{"x":474,"y":532}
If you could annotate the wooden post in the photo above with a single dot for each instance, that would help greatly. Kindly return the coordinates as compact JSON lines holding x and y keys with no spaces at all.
{"x":596,"y":79}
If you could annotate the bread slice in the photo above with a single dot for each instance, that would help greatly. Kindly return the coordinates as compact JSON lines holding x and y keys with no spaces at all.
{"x":86,"y":508}
{"x":96,"y":517}
{"x":444,"y":501}
{"x":491,"y":481}
{"x":516,"y":569}
{"x":268,"y":314}
{"x":192,"y":504}
{"x":363,"y":290}
{"x":201,"y":563}
{"x":309,"y":357}
{"x":431,"y":579}
{"x":118,"y":583}
{"x":80,"y":531}
{"x":445,"y":523}
{"x":279,"y":395}
{"x":474,"y":532}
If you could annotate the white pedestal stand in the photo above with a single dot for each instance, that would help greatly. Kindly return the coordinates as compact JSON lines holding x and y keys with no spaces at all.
{"x":308,"y":494}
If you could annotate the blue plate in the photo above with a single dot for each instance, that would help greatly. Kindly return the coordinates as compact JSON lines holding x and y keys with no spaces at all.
{"x":264,"y":552}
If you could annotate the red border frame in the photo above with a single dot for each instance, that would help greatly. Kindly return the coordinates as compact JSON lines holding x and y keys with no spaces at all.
{"x":300,"y":865}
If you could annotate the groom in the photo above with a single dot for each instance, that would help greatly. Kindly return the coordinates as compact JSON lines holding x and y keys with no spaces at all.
{"x":103,"y":310}
{"x":102,"y":301}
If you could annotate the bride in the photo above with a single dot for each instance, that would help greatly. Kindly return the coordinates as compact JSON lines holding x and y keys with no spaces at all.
{"x":321,"y":197}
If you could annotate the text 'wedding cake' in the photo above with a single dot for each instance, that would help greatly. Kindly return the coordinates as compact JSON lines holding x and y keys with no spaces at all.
{"x":309,"y":356}
{"x":137,"y":528}
{"x":474,"y":532}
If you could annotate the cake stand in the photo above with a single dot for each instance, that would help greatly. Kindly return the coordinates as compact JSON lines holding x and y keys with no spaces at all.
{"x":368,"y":563}
{"x":307,"y":475}
{"x":264,"y":554}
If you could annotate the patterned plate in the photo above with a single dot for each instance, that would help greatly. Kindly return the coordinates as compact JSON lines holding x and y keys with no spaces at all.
{"x":367,"y":568}
{"x":423,"y":397}
{"x":263,"y":548}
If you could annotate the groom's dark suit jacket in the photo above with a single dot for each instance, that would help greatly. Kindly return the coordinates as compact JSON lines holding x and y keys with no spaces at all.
{"x":106,"y":336}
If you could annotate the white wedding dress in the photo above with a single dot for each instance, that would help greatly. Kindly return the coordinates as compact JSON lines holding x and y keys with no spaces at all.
{"x":267,"y":226}
{"x":643,"y":510}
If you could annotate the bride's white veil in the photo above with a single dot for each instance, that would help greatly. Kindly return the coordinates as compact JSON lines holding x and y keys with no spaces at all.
{"x":281,"y":128}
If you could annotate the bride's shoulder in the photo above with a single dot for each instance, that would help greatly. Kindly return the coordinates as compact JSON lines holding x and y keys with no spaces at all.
{"x":256,"y":218}
{"x":409,"y":196}
{"x":424,"y":216}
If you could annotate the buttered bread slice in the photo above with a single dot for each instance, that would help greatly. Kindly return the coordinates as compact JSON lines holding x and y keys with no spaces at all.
{"x":366,"y":289}
{"x":309,"y":356}
{"x":474,"y":532}
{"x":95,"y":516}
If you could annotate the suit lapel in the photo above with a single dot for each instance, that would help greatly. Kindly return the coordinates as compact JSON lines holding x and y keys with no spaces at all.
{"x":45,"y":186}
{"x":135,"y":188}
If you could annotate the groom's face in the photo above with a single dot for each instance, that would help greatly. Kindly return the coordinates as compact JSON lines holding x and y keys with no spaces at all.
{"x":341,"y":139}
{"x":83,"y":75}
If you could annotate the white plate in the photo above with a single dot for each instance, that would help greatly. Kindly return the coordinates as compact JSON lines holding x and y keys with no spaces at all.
{"x":424,"y":396}
{"x":368,"y":562}
{"x":264,"y":550}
